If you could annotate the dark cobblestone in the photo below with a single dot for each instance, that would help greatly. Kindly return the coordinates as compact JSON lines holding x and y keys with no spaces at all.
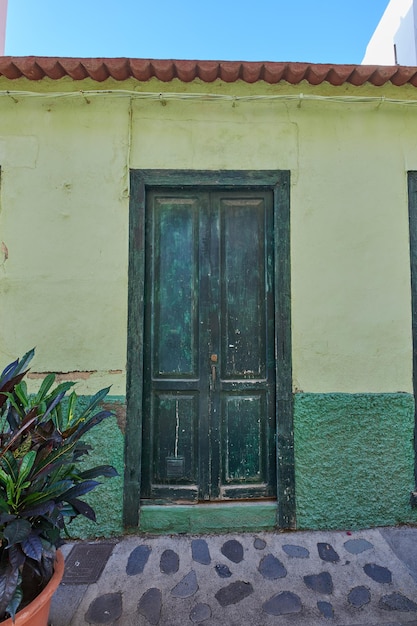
{"x":356,"y":546}
{"x":233,"y":550}
{"x":326,"y":609}
{"x":200,"y":613}
{"x":322,"y":583}
{"x":150,"y":605}
{"x":170,"y":562}
{"x":186,"y":587}
{"x":270,"y":567}
{"x":105,"y":609}
{"x":327,"y":553}
{"x":259,"y":544}
{"x":283,"y":603}
{"x":137,"y":560}
{"x":233,"y":593}
{"x":359,"y":596}
{"x":223,"y":571}
{"x":297,"y":552}
{"x":397,"y":602}
{"x":200,"y":551}
{"x":378,"y":573}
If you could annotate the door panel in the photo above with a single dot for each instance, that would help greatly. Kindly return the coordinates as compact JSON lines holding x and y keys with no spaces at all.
{"x":242,"y":436}
{"x":175,"y":438}
{"x":175,"y":274}
{"x":243,"y":288}
{"x":209,"y":416}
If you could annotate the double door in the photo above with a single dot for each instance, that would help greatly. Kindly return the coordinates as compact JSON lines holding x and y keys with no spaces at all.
{"x":209,"y":371}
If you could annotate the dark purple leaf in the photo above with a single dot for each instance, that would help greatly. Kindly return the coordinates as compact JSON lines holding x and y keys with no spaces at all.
{"x":9,"y":579}
{"x":9,"y":368}
{"x":45,"y":508}
{"x":83,"y":508}
{"x":101,"y":470}
{"x":94,"y":421}
{"x":53,"y":404}
{"x":16,"y":557}
{"x":79,"y":490}
{"x":32,"y":547}
{"x":17,"y":531}
{"x":6,"y":517}
{"x":15,"y":603}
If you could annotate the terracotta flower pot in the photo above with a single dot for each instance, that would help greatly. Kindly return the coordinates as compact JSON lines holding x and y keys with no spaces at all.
{"x":36,"y":613}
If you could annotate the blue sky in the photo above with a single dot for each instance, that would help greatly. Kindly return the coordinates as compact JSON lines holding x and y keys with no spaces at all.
{"x":324,"y":31}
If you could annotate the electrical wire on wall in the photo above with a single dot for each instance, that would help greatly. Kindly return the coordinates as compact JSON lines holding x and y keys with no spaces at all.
{"x":163,"y":98}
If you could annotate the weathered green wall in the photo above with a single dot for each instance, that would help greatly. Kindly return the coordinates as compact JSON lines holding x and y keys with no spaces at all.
{"x":354,"y":459}
{"x":107,"y":499}
{"x":354,"y":469}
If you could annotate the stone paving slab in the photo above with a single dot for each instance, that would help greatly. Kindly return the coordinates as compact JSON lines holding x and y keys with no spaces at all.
{"x":302,"y":578}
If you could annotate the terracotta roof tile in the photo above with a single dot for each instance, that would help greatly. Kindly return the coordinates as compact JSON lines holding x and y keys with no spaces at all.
{"x":187,"y":71}
{"x":339,"y":74}
{"x":316,"y":74}
{"x":140,"y":69}
{"x":403,"y":75}
{"x":164,"y":70}
{"x":207,"y":71}
{"x":74,"y":68}
{"x":229,"y":71}
{"x":96,"y":69}
{"x":252,"y":72}
{"x":274,"y":72}
{"x":37,"y":68}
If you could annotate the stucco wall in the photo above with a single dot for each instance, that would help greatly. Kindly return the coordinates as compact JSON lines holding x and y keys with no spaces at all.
{"x":64,"y":222}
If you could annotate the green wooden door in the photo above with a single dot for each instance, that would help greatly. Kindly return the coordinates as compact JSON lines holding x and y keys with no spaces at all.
{"x":209,"y":370}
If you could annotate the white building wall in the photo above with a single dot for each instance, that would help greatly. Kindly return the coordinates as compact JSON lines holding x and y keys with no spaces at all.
{"x":3,"y":18}
{"x":394,"y":40}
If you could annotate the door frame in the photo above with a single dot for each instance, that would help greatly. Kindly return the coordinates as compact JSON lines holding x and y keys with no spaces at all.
{"x":412,"y":217}
{"x":279,"y":183}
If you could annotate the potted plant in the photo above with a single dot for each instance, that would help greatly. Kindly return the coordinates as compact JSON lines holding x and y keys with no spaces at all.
{"x":41,"y":481}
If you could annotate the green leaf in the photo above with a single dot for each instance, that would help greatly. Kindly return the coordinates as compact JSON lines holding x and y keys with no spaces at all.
{"x":70,"y":411}
{"x":55,"y":459}
{"x":9,"y":464}
{"x":92,"y":405}
{"x":21,"y":392}
{"x":47,"y":383}
{"x":4,"y":478}
{"x":26,"y":465}
{"x":17,"y":531}
{"x":51,"y":493}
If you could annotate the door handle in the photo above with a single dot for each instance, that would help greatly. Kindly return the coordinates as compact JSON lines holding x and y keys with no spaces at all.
{"x":213,"y":375}
{"x":213,"y":359}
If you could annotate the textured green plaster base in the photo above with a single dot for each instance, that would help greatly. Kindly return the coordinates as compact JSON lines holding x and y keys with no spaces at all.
{"x":107,"y":499}
{"x":354,"y":459}
{"x":208,"y":518}
{"x":354,"y":467}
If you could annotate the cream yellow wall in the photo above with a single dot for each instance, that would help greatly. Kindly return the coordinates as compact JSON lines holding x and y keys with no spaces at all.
{"x":351,"y":318}
{"x":64,"y":220}
{"x":64,"y":212}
